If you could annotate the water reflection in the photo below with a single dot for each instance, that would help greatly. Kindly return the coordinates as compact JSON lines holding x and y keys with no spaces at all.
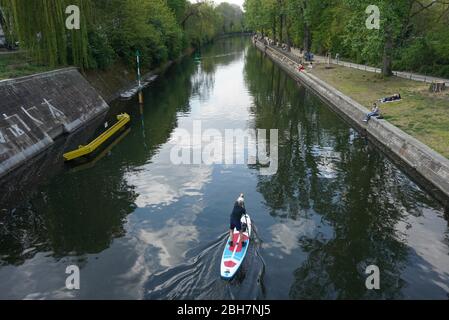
{"x":343,"y":201}
{"x":59,"y":215}
{"x":140,"y":227}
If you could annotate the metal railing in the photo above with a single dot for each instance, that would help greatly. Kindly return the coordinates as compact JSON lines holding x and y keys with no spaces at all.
{"x":400,"y":74}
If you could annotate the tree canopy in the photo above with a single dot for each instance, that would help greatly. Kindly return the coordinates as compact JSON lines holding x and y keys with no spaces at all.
{"x":232,"y":16}
{"x":115,"y":29}
{"x":412,"y":36}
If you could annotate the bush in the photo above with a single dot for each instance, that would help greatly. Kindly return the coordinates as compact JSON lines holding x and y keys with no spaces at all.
{"x":102,"y":55}
{"x":424,"y":56}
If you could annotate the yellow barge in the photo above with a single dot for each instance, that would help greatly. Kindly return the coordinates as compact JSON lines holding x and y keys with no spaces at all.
{"x":123,"y":119}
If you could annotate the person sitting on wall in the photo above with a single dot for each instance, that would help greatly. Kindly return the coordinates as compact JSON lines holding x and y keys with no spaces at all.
{"x":301,"y":68}
{"x":395,"y":97}
{"x":375,"y":112}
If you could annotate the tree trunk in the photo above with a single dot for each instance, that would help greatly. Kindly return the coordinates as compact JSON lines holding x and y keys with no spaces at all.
{"x":281,"y":27}
{"x":289,"y":41}
{"x":281,"y":20}
{"x":307,"y":38}
{"x":387,"y":69}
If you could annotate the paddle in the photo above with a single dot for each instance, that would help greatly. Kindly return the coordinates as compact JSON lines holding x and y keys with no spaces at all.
{"x":246,"y":215}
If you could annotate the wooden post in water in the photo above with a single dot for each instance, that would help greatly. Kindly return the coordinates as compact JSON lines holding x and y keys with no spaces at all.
{"x":139,"y":77}
{"x":140,"y":97}
{"x":138,"y":68}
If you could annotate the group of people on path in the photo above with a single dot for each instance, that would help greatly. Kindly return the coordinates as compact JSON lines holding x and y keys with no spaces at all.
{"x":301,"y":67}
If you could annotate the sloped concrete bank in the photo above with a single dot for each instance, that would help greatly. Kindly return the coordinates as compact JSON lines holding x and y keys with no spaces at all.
{"x":35,"y":110}
{"x":121,"y":77}
{"x":110,"y":83}
{"x":429,"y":168}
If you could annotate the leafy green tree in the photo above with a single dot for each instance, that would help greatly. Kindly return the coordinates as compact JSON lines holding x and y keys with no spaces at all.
{"x":201,"y":22}
{"x":113,"y":29}
{"x":40,"y":28}
{"x":232,"y":16}
{"x":412,"y":34}
{"x":261,"y":16}
{"x":178,"y":7}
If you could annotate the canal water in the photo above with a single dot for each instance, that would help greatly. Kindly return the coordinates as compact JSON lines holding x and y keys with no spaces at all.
{"x":140,"y":227}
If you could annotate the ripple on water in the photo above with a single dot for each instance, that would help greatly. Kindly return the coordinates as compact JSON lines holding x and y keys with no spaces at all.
{"x":199,"y":277}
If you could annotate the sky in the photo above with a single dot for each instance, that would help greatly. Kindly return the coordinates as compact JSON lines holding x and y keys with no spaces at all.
{"x":239,"y":2}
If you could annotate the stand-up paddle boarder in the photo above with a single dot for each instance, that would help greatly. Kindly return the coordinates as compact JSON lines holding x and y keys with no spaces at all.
{"x":236,"y":217}
{"x":236,"y":248}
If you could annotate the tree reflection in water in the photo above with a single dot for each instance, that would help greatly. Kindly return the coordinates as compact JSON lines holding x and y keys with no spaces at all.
{"x":328,"y":173}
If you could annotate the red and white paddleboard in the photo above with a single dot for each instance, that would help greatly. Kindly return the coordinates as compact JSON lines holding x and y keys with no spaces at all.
{"x":233,"y":256}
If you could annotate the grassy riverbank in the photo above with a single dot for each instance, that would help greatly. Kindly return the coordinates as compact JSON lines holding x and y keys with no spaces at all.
{"x":422,"y":114}
{"x":14,"y":65}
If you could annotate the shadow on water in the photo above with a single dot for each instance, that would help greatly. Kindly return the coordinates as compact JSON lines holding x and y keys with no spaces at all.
{"x":141,"y":227}
{"x":199,"y":278}
{"x":79,"y":208}
{"x":68,"y":213}
{"x":353,"y":197}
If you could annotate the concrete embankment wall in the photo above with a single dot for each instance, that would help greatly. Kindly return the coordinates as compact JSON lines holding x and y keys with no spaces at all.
{"x":121,"y":77}
{"x":418,"y":159}
{"x":35,"y":110}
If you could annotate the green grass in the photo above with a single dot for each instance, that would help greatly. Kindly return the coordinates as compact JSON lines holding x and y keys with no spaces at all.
{"x":421,"y":114}
{"x":16,"y":65}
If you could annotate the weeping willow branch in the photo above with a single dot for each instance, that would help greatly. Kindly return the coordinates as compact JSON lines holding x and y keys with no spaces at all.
{"x":39,"y":25}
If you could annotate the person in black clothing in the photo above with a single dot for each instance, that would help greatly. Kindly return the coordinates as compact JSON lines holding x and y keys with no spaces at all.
{"x":236,"y":216}
{"x":395,"y":97}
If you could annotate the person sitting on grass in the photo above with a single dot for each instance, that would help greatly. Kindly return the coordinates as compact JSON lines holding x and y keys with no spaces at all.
{"x":375,"y":112}
{"x":395,"y":97}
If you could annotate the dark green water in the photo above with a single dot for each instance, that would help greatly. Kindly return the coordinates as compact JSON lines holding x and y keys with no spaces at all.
{"x":140,"y":227}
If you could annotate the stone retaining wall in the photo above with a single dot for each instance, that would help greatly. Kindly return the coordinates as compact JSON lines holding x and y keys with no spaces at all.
{"x":418,"y":159}
{"x":35,"y":110}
